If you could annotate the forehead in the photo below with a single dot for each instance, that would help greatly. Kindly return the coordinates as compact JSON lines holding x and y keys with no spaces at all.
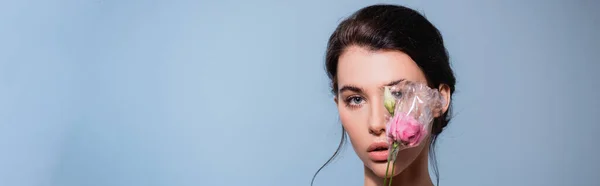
{"x":358,"y":66}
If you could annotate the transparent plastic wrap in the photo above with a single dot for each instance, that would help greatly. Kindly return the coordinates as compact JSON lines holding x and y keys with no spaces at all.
{"x":411,"y":107}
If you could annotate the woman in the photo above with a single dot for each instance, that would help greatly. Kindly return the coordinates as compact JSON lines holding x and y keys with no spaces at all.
{"x":376,"y":46}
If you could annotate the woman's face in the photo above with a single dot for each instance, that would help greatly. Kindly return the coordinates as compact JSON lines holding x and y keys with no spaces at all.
{"x":361,"y":75}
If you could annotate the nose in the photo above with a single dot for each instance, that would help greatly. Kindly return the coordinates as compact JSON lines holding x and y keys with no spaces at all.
{"x":377,"y":117}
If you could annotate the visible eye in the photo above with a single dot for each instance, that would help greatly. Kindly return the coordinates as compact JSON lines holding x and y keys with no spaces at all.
{"x":397,"y":94}
{"x":354,"y":101}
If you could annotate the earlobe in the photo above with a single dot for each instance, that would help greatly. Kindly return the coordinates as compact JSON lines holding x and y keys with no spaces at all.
{"x":445,"y":92}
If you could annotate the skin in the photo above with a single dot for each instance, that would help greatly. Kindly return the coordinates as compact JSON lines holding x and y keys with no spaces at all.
{"x":361,"y":75}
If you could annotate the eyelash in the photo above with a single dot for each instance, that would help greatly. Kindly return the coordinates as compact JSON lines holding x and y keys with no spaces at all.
{"x":349,"y":100}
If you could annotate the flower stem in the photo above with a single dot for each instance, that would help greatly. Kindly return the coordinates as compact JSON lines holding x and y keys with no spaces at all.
{"x":387,"y":167}
{"x":394,"y":149}
{"x":393,"y":167}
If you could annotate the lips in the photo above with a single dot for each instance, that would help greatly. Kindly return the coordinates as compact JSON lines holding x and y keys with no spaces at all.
{"x":378,"y":151}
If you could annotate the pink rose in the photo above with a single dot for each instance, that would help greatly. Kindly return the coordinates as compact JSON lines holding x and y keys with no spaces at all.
{"x":405,"y":130}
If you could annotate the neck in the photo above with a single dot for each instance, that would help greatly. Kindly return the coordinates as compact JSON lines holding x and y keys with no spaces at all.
{"x":416,"y":174}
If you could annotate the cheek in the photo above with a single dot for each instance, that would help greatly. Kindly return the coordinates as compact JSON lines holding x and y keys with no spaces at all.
{"x":352,"y":120}
{"x":355,"y":123}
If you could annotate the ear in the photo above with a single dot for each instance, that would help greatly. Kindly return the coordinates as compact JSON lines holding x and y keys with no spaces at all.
{"x":445,"y":92}
{"x":335,"y":99}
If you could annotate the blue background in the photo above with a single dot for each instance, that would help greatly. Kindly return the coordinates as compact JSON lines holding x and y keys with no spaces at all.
{"x":116,"y":93}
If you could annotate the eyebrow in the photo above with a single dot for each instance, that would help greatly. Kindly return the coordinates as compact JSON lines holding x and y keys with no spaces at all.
{"x":350,"y":88}
{"x":392,"y":83}
{"x":360,"y":90}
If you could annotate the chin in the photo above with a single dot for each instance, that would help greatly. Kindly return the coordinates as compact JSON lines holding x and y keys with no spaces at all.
{"x":379,"y":168}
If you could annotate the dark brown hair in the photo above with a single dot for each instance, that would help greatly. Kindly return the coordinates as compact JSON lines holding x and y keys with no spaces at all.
{"x":393,"y":27}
